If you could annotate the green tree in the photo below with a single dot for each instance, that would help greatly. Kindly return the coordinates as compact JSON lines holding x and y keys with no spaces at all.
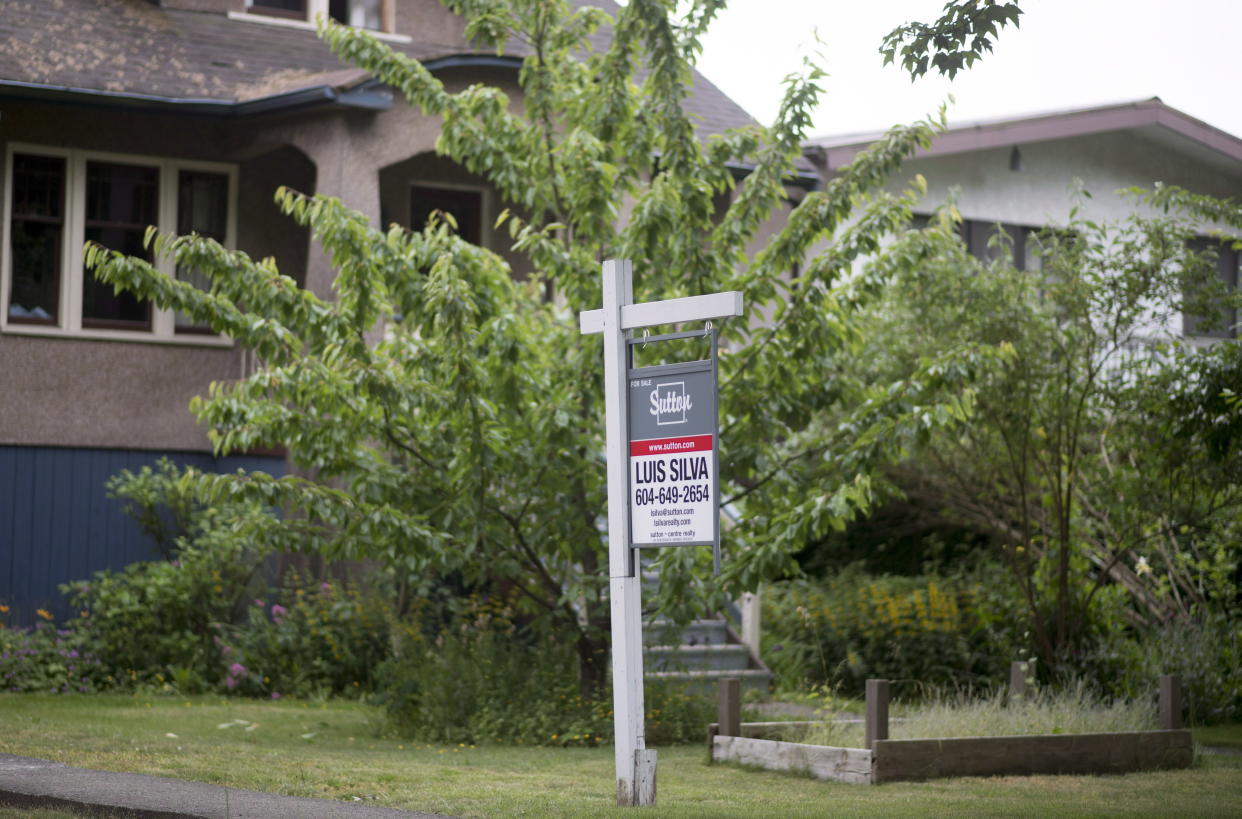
{"x":447,"y":418}
{"x":1093,"y":441}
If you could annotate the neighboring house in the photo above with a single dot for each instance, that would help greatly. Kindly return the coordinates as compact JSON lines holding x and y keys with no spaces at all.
{"x":1019,"y":172}
{"x":186,"y":114}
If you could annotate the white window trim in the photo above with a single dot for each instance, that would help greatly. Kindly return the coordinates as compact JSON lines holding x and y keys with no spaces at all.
{"x":486,"y":219}
{"x":69,"y":309}
{"x":314,"y":9}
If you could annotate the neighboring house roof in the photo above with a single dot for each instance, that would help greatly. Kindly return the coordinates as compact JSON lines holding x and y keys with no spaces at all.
{"x":133,"y":52}
{"x":1150,"y":117}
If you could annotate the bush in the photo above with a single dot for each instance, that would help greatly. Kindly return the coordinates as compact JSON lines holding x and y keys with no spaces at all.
{"x":484,"y":679}
{"x":47,"y":659}
{"x":840,"y":632}
{"x":321,"y":638}
{"x":155,"y":621}
{"x":1206,"y":655}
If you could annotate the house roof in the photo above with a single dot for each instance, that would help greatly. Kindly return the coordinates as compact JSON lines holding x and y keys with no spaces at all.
{"x":1149,"y":117}
{"x":133,"y":52}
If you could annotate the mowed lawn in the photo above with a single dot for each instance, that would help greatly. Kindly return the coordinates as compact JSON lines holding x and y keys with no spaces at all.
{"x":336,"y":750}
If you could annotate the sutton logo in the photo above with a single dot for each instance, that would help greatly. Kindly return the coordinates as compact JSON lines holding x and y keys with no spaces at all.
{"x":669,"y":403}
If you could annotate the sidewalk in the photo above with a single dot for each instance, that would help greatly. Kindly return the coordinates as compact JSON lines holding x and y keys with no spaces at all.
{"x":28,"y":782}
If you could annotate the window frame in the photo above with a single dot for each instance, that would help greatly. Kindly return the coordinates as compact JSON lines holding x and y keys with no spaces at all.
{"x":314,"y":8}
{"x":69,"y":323}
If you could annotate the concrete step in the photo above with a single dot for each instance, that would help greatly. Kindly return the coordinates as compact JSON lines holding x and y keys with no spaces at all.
{"x":697,"y":657}
{"x":708,"y":682}
{"x":697,"y":633}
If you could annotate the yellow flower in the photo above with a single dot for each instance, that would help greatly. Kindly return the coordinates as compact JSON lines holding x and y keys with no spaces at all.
{"x":45,"y":614}
{"x":4,"y":609}
{"x":1142,"y":567}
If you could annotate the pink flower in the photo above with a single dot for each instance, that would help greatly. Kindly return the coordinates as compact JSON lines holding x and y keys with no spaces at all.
{"x":278,"y":611}
{"x":237,"y":670}
{"x":230,"y":682}
{"x":275,"y":695}
{"x":326,"y":587}
{"x":259,"y":603}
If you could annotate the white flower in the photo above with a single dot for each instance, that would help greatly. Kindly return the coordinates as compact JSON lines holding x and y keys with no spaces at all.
{"x":1142,"y":567}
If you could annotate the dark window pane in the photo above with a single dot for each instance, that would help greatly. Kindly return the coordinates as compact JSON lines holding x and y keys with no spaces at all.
{"x":38,"y":186}
{"x":121,"y":201}
{"x":202,"y":208}
{"x":466,"y":207}
{"x":280,"y":8}
{"x":122,"y":194}
{"x":1213,"y":318}
{"x":984,"y":241}
{"x":202,"y":204}
{"x":35,"y":233}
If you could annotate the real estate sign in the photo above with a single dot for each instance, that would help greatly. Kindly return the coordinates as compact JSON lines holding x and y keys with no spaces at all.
{"x":672,"y":454}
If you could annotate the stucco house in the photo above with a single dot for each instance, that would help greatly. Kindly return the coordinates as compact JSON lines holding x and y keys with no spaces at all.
{"x":186,"y":114}
{"x":1018,"y":172}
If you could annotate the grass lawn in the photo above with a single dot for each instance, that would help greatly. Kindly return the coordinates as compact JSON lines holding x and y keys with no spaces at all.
{"x":333,"y":750}
{"x":1220,"y":736}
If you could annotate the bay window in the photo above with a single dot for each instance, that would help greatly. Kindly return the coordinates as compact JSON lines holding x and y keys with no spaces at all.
{"x":57,"y":200}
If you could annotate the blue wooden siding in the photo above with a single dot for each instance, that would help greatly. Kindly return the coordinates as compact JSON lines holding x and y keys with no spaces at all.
{"x":57,"y":523}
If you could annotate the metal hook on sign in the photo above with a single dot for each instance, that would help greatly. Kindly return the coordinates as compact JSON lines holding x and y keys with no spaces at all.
{"x":646,"y":335}
{"x":707,"y":328}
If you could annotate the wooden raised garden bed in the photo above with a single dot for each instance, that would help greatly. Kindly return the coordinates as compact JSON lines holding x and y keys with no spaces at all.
{"x":896,"y":760}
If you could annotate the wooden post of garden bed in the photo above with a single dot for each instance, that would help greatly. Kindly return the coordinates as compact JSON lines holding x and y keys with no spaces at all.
{"x":877,"y":712}
{"x":730,"y":716}
{"x":1170,"y":702}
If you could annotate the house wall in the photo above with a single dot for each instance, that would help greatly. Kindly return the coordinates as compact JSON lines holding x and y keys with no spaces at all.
{"x":57,"y":523}
{"x":1040,"y":193}
{"x":429,"y":22}
{"x":67,"y":391}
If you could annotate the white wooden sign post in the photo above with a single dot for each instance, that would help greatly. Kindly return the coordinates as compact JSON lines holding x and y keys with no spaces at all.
{"x":635,"y":764}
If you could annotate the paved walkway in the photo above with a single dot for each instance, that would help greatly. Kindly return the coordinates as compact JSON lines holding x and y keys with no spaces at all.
{"x":28,"y":782}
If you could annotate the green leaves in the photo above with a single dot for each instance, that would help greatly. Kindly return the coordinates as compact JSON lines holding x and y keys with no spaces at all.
{"x":963,"y":33}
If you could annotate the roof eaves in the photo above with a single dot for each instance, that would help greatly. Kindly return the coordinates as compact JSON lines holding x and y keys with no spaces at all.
{"x":834,"y":153}
{"x":367,"y":96}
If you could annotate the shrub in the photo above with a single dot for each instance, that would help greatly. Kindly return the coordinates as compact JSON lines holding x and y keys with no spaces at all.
{"x":47,"y":659}
{"x":1207,"y":655}
{"x":839,"y":632}
{"x":319,"y":638}
{"x":155,"y":621}
{"x":484,"y":679}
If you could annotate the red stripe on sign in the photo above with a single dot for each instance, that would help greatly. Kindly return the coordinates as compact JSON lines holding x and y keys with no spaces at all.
{"x":671,"y":446}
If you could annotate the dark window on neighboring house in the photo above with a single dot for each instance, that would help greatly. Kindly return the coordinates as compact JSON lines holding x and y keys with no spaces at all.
{"x":202,"y":208}
{"x":979,"y":237}
{"x":1222,"y":321}
{"x":121,"y":201}
{"x":465,"y":206}
{"x":36,"y":231}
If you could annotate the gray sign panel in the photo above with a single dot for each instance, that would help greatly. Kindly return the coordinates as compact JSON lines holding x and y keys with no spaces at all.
{"x":665,"y":402}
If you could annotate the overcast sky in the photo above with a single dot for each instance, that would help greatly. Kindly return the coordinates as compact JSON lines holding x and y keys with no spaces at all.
{"x":1066,"y":54}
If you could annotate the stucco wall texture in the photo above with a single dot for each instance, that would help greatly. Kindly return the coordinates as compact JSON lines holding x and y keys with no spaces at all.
{"x":69,"y":392}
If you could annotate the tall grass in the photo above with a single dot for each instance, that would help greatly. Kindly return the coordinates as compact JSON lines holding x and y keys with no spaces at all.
{"x":1076,"y":709}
